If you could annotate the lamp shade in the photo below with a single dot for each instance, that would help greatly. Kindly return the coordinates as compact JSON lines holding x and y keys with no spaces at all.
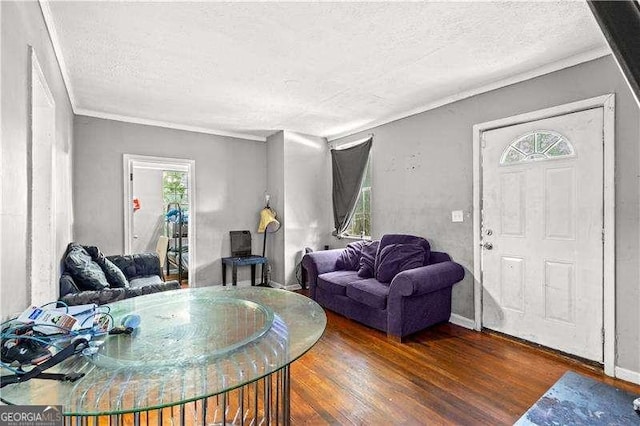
{"x":268,"y":221}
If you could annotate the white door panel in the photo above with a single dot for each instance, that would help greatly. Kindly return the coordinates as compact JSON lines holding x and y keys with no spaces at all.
{"x":542,"y":279}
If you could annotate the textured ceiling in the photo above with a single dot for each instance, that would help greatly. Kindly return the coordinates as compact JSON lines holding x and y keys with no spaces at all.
{"x":319,"y":68}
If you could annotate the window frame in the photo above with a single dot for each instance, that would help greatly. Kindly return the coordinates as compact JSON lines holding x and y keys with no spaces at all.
{"x":363,"y":189}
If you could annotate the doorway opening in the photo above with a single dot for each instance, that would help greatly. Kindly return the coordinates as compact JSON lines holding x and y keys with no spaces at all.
{"x":544,"y":203}
{"x":159,"y":213}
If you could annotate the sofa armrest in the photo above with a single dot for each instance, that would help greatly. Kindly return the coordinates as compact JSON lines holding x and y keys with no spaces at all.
{"x":138,"y":265}
{"x":426,"y":279}
{"x":320,"y":262}
{"x":67,"y":285}
{"x":99,"y":297}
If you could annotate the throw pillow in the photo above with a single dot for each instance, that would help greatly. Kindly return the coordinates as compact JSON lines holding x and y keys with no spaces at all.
{"x":85,"y":272}
{"x":349,"y":259}
{"x":115,"y":276}
{"x":368,"y":259}
{"x":396,"y":258}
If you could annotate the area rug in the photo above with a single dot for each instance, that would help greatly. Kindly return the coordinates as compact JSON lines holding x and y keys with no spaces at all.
{"x":579,"y":400}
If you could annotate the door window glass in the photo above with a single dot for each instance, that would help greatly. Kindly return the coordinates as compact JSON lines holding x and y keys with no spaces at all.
{"x":536,"y":146}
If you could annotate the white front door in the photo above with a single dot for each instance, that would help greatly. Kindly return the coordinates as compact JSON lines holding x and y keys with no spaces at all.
{"x":542,"y":222}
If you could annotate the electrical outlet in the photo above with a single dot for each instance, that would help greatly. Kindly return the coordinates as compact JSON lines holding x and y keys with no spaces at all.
{"x":457,"y":216}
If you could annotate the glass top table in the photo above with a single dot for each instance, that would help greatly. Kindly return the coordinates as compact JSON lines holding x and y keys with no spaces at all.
{"x":191,"y":344}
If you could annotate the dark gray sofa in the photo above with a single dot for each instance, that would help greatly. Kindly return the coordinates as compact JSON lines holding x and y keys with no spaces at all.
{"x":136,"y":275}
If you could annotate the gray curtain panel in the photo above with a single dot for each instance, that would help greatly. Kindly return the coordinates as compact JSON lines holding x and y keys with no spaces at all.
{"x":620,"y":23}
{"x":349,"y":166}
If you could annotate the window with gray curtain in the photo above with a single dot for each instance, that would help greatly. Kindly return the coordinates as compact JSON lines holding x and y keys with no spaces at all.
{"x":349,"y":167}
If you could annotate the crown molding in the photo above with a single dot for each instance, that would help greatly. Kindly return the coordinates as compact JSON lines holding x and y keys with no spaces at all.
{"x":518,"y":78}
{"x":537,"y":72}
{"x":166,"y":124}
{"x":55,"y":41}
{"x":57,"y":50}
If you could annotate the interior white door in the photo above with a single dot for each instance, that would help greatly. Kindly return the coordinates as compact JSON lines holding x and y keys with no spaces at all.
{"x":542,"y":222}
{"x":148,"y":221}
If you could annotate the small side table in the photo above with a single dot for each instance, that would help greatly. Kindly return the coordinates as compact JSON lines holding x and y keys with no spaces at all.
{"x":241,"y":261}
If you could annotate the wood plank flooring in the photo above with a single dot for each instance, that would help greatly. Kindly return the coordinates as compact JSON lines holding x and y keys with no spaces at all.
{"x":444,"y":375}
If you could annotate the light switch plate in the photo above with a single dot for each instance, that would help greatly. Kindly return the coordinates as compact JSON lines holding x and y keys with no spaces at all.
{"x":457,"y":216}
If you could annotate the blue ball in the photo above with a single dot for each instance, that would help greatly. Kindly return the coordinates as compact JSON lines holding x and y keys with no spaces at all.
{"x":130,"y":320}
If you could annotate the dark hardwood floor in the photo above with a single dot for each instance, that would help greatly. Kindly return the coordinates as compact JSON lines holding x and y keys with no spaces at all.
{"x":444,"y":375}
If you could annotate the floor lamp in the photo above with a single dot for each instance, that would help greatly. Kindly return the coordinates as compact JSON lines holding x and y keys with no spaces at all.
{"x":268,"y":225}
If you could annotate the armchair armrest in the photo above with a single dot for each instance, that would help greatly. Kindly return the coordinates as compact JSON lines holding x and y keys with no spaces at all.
{"x":427,"y":279}
{"x":138,"y":265}
{"x":320,"y":262}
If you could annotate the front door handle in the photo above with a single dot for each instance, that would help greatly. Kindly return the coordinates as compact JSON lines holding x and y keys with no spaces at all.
{"x":487,"y":246}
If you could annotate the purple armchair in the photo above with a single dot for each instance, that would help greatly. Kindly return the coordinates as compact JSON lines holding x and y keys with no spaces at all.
{"x":416,"y":296}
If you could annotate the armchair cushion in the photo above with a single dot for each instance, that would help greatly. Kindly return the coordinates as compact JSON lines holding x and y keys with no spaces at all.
{"x":349,"y":259}
{"x":369,"y":292}
{"x":368,"y":259}
{"x":86,"y":273}
{"x":395,"y":258}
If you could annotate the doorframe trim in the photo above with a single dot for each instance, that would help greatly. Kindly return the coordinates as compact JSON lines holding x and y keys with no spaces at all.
{"x":128,"y":161}
{"x":607,"y":103}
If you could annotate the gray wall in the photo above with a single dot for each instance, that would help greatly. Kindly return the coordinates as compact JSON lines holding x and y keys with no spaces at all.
{"x":422,"y":170}
{"x":307,"y":177}
{"x":276,"y":188}
{"x":230,"y":177}
{"x":299,"y":184}
{"x":21,"y":26}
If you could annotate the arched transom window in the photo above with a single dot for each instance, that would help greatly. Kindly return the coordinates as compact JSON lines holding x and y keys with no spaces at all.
{"x":537,"y":146}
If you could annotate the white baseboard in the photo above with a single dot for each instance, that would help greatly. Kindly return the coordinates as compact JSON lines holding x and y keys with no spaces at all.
{"x":272,"y":284}
{"x":243,"y":283}
{"x":289,"y":287}
{"x":462,"y":321}
{"x":292,"y":287}
{"x":628,"y":375}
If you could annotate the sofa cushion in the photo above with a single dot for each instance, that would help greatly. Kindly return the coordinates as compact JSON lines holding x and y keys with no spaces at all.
{"x":349,"y":259}
{"x":145,"y":281}
{"x":137,"y":265}
{"x":369,"y":292}
{"x":86,"y":273}
{"x":114,"y":275}
{"x":336,"y":281}
{"x":150,"y":287}
{"x":368,"y":259}
{"x":388,"y":239}
{"x":396,"y":258}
